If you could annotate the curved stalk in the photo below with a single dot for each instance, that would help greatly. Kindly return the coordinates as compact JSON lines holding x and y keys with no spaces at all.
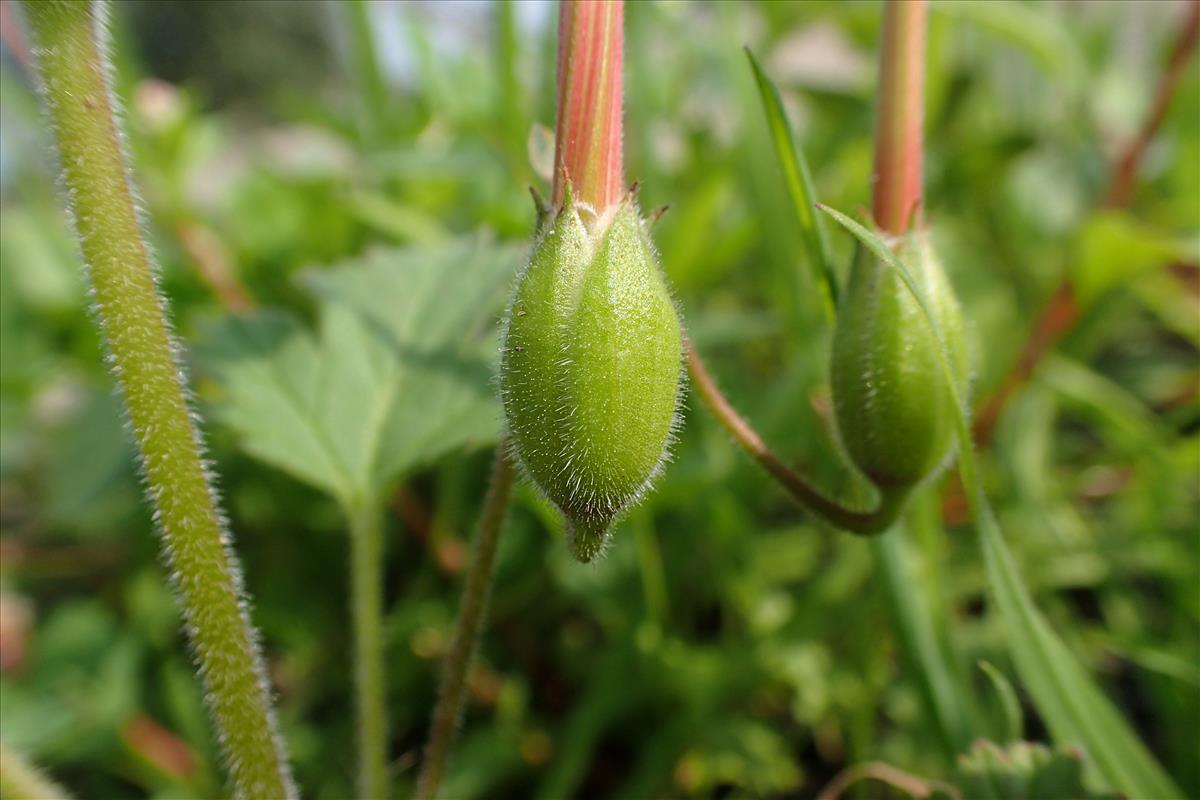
{"x":888,"y":775}
{"x":73,"y":69}
{"x":467,"y":627}
{"x":867,"y":523}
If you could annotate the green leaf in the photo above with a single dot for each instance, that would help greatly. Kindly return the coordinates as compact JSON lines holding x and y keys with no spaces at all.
{"x":1075,"y":710}
{"x":798,"y":179}
{"x":398,"y":373}
{"x":1014,"y":720}
{"x":918,"y":640}
{"x":1114,"y":248}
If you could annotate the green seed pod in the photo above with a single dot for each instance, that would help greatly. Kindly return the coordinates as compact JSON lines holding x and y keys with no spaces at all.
{"x":591,"y":369}
{"x":894,"y":409}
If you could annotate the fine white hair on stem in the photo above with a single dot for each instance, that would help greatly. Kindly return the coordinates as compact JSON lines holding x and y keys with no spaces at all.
{"x":74,"y":67}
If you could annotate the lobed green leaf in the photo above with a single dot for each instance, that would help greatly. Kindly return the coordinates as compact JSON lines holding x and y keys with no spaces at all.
{"x":398,"y":373}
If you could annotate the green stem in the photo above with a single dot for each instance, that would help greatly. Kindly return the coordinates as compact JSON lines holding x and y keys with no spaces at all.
{"x":366,"y":577}
{"x":467,"y":627}
{"x":20,"y":780}
{"x":74,"y":74}
{"x":867,"y":523}
{"x":914,"y":627}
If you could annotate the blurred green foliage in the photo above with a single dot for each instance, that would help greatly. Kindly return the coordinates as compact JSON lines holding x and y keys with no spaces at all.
{"x":728,"y":646}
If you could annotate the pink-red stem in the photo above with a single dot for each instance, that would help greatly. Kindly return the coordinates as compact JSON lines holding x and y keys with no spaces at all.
{"x":587,"y":141}
{"x":897,"y":191}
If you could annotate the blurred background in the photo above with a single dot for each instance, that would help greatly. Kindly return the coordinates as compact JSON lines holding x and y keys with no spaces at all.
{"x":729,"y":646}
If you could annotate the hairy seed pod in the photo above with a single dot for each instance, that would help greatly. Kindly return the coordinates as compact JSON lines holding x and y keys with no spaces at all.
{"x":591,"y":369}
{"x":893,"y":406}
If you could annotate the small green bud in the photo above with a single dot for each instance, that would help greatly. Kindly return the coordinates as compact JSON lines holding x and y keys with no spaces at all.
{"x":893,"y":406}
{"x":591,"y":369}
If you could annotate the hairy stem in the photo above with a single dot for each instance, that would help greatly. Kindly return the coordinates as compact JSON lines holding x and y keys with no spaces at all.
{"x":467,"y":627}
{"x":869,"y":523}
{"x":74,"y":75}
{"x":366,"y":574}
{"x":897,"y":194}
{"x":19,"y":779}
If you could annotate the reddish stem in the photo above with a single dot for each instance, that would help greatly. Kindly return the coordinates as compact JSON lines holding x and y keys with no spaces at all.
{"x":897,"y":194}
{"x":587,"y":141}
{"x":1120,"y":191}
{"x":1062,"y":311}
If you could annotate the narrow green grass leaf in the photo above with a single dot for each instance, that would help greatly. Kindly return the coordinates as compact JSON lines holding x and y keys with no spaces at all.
{"x":919,"y":643}
{"x":798,"y":179}
{"x":1074,"y":708}
{"x":1014,"y":720}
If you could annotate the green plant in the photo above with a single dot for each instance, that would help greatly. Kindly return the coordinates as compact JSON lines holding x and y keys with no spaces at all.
{"x":900,"y":332}
{"x":591,"y":368}
{"x":728,"y":643}
{"x":892,"y":406}
{"x":590,"y":371}
{"x":74,"y":72}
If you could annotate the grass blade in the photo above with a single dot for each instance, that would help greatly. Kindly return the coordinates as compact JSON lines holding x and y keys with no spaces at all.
{"x":798,"y":179}
{"x":1074,"y":708}
{"x":1014,"y":720}
{"x":918,"y":640}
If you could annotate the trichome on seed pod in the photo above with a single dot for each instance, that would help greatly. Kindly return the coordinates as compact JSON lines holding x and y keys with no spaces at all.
{"x":591,"y":367}
{"x":894,"y":408}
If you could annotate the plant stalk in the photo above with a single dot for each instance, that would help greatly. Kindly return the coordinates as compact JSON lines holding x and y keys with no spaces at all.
{"x":867,"y":523}
{"x":587,"y":158}
{"x":896,"y":199}
{"x":897,"y":193}
{"x":366,"y":578}
{"x":467,"y":627}
{"x":74,"y":73}
{"x":587,"y":141}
